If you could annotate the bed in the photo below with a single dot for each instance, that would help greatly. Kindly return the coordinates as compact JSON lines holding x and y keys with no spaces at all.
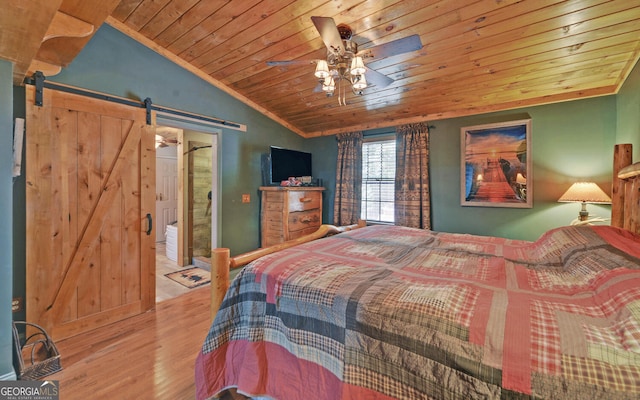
{"x":387,"y":312}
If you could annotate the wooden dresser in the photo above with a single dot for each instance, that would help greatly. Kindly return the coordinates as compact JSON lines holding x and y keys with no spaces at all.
{"x":289,"y":212}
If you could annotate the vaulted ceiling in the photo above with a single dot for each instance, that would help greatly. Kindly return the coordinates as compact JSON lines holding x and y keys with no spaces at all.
{"x":477,"y":55}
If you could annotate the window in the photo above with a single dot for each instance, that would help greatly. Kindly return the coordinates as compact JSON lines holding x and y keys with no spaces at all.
{"x":378,"y":180}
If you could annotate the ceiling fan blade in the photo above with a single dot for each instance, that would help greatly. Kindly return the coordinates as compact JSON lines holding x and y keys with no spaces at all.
{"x":329,"y":33}
{"x":377,"y":79}
{"x":393,"y":48}
{"x":290,"y":62}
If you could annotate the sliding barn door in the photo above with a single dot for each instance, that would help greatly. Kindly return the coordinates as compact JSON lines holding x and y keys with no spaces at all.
{"x":90,"y":172}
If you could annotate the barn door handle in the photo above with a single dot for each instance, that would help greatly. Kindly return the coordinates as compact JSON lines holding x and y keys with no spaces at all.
{"x":149,"y":224}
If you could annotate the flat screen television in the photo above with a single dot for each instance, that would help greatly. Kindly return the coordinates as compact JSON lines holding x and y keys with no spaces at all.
{"x":285,"y":163}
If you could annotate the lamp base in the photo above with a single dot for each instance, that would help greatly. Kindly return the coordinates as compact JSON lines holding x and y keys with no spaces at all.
{"x":583,"y":215}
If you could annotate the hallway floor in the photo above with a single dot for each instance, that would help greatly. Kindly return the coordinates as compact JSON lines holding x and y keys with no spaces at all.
{"x":165,"y":287}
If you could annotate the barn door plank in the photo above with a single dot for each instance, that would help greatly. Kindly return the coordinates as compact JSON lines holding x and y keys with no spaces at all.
{"x":110,"y":240}
{"x":148,"y":202}
{"x":64,"y":209}
{"x":38,"y":217}
{"x":131,"y":224}
{"x":88,"y":192}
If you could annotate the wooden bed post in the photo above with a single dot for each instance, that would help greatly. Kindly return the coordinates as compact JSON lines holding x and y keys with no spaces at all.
{"x":622,"y":156}
{"x":219,"y":278}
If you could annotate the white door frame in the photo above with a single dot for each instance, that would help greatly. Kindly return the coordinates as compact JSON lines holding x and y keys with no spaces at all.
{"x":212,"y":129}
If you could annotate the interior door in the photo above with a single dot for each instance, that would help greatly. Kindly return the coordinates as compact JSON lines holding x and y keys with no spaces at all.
{"x":90,"y":193}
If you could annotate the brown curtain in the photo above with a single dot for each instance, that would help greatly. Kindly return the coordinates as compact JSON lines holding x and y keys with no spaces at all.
{"x":346,"y":207}
{"x":412,"y":198}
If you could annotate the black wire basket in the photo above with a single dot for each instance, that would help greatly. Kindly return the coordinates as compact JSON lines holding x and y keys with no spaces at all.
{"x":41,"y":354}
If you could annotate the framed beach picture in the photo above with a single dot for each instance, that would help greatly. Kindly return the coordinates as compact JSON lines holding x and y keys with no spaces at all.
{"x":496,"y":166}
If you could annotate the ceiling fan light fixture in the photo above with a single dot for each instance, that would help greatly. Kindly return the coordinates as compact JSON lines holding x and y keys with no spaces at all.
{"x":329,"y":85}
{"x":322,"y":69}
{"x":357,"y":66}
{"x":359,"y":82}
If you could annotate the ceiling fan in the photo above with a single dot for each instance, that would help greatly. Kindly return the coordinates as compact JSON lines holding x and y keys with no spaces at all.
{"x":344,"y":64}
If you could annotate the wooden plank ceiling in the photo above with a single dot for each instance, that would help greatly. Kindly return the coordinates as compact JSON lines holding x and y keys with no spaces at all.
{"x":477,"y":55}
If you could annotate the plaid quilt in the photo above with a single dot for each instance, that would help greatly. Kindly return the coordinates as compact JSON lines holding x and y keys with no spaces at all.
{"x":388,"y":312}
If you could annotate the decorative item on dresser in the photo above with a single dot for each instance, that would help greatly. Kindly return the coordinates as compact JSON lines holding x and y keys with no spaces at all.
{"x":289,"y":213}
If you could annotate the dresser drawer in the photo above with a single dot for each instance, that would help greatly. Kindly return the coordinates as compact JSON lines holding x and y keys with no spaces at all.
{"x":302,"y":232}
{"x":304,"y":219}
{"x":301,"y":201}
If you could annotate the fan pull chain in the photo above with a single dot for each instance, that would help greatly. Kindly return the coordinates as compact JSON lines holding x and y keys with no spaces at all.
{"x":342,"y":94}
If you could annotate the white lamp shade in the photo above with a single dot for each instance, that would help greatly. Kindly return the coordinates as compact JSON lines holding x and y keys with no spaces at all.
{"x":360,"y":83}
{"x":585,"y":192}
{"x":357,"y":66}
{"x":322,"y":69}
{"x":329,"y":84}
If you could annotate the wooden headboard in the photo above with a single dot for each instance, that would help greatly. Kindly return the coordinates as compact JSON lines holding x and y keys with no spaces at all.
{"x":625,"y":191}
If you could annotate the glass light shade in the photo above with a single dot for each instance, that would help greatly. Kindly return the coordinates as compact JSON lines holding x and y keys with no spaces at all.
{"x":357,"y":66}
{"x":329,"y":84}
{"x":322,"y":69}
{"x":586,"y":192}
{"x":360,"y":83}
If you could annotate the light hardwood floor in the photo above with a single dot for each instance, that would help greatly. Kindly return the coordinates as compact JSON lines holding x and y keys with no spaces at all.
{"x":149,"y":356}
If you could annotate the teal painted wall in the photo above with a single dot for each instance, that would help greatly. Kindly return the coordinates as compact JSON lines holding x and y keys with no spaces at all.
{"x":628,"y":110}
{"x":6,"y":205}
{"x":570,"y":141}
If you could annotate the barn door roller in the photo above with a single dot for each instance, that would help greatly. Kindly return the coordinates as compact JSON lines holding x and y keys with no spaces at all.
{"x":39,"y":82}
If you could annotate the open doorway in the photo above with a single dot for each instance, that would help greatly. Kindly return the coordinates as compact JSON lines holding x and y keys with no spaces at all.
{"x":185,"y":209}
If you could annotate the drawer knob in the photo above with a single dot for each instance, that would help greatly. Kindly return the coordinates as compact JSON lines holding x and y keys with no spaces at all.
{"x":305,"y":199}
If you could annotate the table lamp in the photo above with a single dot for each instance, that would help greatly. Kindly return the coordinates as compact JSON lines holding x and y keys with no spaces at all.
{"x":585,"y":192}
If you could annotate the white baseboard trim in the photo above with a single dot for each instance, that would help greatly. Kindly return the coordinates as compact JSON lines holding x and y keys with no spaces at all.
{"x":11,"y":376}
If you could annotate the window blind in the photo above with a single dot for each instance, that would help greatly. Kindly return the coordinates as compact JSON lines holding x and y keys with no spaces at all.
{"x":378,"y":180}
